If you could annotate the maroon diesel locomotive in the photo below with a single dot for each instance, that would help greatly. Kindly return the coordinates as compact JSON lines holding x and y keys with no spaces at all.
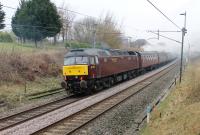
{"x":88,"y":70}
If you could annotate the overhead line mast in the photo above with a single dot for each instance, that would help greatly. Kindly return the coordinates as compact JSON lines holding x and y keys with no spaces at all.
{"x":183,"y":30}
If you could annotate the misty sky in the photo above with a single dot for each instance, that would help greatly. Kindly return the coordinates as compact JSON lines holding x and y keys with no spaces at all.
{"x":138,"y":16}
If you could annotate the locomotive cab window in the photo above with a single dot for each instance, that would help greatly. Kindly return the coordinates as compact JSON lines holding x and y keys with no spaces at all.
{"x":82,"y":60}
{"x":92,"y":61}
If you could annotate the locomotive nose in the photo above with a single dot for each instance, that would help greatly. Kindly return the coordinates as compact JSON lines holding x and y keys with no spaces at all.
{"x":75,"y":70}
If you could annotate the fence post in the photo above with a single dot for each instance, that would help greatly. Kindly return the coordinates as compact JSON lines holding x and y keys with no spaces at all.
{"x":148,"y":113}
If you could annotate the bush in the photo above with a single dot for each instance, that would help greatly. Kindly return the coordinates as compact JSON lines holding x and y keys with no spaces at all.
{"x":16,"y":67}
{"x":5,"y":37}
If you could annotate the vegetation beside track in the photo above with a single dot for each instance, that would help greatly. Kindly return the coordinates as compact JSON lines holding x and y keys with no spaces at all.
{"x":25,"y":69}
{"x":180,"y":113}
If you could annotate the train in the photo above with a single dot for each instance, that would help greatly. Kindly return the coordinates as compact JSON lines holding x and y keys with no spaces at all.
{"x":90,"y":70}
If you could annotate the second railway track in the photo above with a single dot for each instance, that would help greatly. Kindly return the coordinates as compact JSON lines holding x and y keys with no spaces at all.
{"x":26,"y":115}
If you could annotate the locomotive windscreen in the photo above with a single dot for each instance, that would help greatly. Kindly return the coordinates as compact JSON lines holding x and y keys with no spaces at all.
{"x":79,"y":60}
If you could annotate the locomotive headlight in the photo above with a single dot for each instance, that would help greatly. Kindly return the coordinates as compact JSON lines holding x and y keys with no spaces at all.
{"x":76,"y":77}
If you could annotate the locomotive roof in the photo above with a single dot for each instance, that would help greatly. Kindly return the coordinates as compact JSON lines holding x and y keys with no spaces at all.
{"x":148,"y":52}
{"x":98,"y":52}
{"x":89,"y":51}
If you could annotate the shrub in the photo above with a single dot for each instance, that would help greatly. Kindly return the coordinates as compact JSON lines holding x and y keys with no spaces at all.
{"x":5,"y":37}
{"x":17,"y":67}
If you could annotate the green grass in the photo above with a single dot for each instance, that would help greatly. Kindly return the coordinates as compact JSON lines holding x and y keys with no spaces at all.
{"x":28,"y":47}
{"x":11,"y":93}
{"x":10,"y":47}
{"x":43,"y":84}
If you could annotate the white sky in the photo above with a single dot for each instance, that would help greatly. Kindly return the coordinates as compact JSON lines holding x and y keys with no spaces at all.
{"x":137,"y":16}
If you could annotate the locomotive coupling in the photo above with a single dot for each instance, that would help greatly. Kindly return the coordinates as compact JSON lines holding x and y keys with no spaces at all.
{"x":83,"y":84}
{"x":64,"y":85}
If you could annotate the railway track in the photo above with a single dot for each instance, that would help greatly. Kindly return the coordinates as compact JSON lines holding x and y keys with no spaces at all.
{"x":44,"y":93}
{"x":78,"y":120}
{"x":74,"y":112}
{"x":15,"y":119}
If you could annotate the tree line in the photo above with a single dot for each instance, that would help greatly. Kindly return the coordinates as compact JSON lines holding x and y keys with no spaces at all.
{"x":36,"y":20}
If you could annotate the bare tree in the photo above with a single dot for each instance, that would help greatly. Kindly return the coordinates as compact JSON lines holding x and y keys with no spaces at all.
{"x":109,"y":31}
{"x":84,"y":30}
{"x":105,"y":29}
{"x":67,"y":19}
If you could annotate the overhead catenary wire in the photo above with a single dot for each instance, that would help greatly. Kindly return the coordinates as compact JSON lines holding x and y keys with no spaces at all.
{"x":76,"y":12}
{"x":163,"y":31}
{"x":166,"y":37}
{"x":72,"y":11}
{"x":164,"y":14}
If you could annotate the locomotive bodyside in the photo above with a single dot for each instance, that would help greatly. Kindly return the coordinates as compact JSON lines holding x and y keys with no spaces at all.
{"x":96,"y":69}
{"x":117,"y":64}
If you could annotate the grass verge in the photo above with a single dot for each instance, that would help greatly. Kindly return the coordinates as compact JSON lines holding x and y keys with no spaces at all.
{"x":179,"y":114}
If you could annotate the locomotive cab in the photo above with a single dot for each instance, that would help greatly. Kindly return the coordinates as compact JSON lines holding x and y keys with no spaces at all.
{"x":79,"y":71}
{"x":82,"y":70}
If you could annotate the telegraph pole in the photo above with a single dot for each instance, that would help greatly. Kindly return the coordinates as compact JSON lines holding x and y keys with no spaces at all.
{"x":184,"y":31}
